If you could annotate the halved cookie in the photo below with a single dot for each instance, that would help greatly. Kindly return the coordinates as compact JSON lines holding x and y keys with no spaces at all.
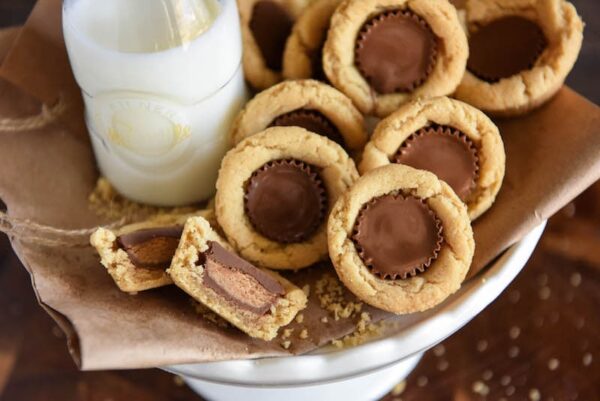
{"x":309,"y":104}
{"x":274,"y":192}
{"x":256,"y":301}
{"x":455,"y":141}
{"x":400,"y":239}
{"x":521,"y":51}
{"x":137,"y":255}
{"x":382,"y":53}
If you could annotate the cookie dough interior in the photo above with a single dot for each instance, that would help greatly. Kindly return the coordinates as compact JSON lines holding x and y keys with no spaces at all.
{"x":238,"y":281}
{"x":151,"y":248}
{"x":311,"y":120}
{"x":446,"y":152}
{"x":505,"y":47}
{"x":396,"y":51}
{"x":397,"y":236}
{"x":271,"y":25}
{"x":286,"y":201}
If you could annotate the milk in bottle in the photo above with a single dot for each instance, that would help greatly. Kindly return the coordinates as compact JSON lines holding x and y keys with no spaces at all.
{"x":161,"y":81}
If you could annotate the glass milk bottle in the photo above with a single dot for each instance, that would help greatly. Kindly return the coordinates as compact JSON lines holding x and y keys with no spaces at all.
{"x":162,"y":82}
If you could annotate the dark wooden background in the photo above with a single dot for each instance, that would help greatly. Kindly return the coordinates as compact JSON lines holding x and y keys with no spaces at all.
{"x":539,"y":341}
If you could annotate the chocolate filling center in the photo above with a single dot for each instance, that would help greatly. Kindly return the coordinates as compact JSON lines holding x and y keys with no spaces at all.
{"x":238,"y":281}
{"x":504,"y":48}
{"x":286,"y":201}
{"x":397,"y":236}
{"x":396,"y":51}
{"x":446,"y":152}
{"x":151,"y":248}
{"x":271,"y":25}
{"x":311,"y":120}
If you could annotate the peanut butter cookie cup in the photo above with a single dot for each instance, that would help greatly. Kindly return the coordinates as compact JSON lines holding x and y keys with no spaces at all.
{"x":521,"y":51}
{"x":400,"y":239}
{"x":274,"y":192}
{"x":309,"y":104}
{"x":449,"y":138}
{"x":303,"y":55}
{"x":256,"y":301}
{"x":137,"y":255}
{"x":382,"y":53}
{"x":266,"y":26}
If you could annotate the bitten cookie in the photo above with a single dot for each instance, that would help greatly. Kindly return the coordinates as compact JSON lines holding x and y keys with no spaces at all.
{"x":400,"y":239}
{"x":266,"y":26}
{"x":303,"y":55}
{"x":521,"y":51}
{"x":382,"y":53}
{"x":274,"y":192}
{"x":309,"y":104}
{"x":137,"y":255}
{"x":449,"y":138}
{"x":256,"y":301}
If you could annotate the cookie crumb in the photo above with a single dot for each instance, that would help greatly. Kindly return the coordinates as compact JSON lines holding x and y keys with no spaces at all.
{"x":587,"y":359}
{"x":178,"y":380}
{"x":209,"y":315}
{"x":303,"y":334}
{"x":306,"y":289}
{"x":480,"y":388}
{"x":439,"y":350}
{"x":487,"y":375}
{"x":513,"y":352}
{"x":544,"y":293}
{"x":287,"y":333}
{"x":364,"y":331}
{"x":422,"y":381}
{"x":575,"y":279}
{"x":105,"y":201}
{"x":324,"y":319}
{"x":482,"y":345}
{"x":553,"y":364}
{"x":534,"y":394}
{"x":299,"y":318}
{"x":443,"y":365}
{"x":286,"y":344}
{"x":399,"y":388}
{"x":514,"y":332}
{"x":330,"y":293}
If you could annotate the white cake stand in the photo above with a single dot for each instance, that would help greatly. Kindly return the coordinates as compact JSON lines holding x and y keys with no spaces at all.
{"x":362,"y":373}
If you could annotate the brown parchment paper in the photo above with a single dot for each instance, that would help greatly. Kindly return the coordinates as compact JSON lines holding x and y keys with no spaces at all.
{"x":47,"y":172}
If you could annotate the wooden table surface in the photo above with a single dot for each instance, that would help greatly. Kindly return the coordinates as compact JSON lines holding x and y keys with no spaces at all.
{"x":539,"y":341}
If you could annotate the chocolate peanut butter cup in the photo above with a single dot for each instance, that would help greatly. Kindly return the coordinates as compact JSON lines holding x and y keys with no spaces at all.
{"x":151,"y":248}
{"x":311,"y":120}
{"x":238,"y":281}
{"x":271,"y":25}
{"x":400,"y":239}
{"x":505,"y":47}
{"x":396,"y":51}
{"x":254,"y":300}
{"x":286,"y":200}
{"x":304,"y":103}
{"x":397,"y":236}
{"x":446,"y":152}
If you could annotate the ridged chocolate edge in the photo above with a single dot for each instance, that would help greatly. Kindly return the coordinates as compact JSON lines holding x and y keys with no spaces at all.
{"x":446,"y":130}
{"x":417,"y":269}
{"x":310,"y":171}
{"x":368,"y":26}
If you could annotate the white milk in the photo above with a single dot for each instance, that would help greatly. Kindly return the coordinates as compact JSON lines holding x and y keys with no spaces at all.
{"x":161,"y":82}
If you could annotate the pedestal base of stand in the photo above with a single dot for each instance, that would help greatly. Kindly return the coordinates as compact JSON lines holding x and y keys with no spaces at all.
{"x":368,"y":387}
